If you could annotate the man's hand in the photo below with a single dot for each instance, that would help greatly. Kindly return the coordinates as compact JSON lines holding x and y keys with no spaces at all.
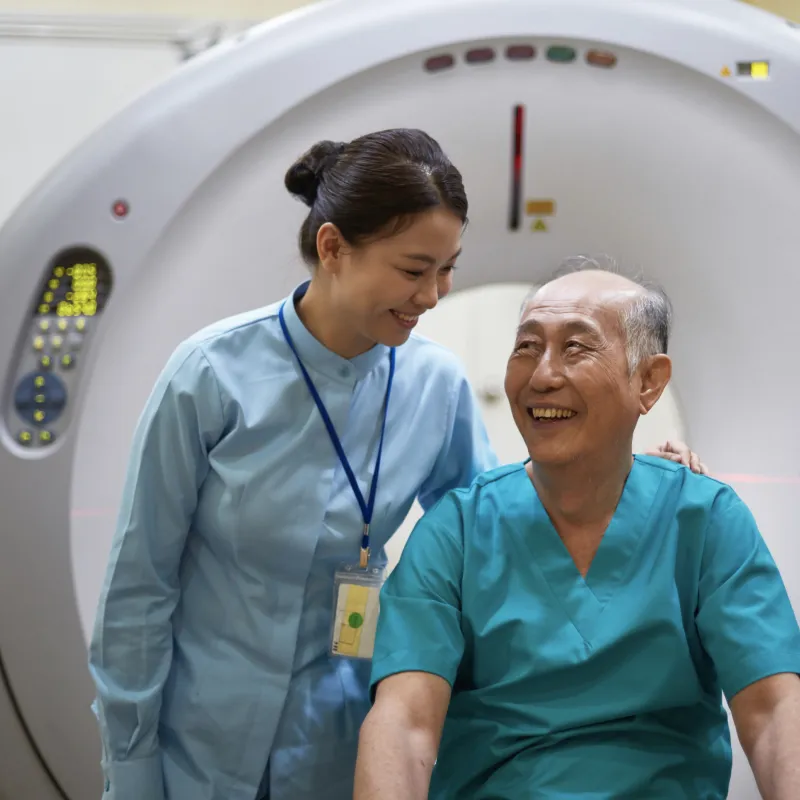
{"x":400,"y":737}
{"x":680,"y":453}
{"x":767,"y":718}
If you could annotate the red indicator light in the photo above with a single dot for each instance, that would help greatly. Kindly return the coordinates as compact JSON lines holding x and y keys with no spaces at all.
{"x":481,"y":55}
{"x":520,"y":52}
{"x":120,"y":209}
{"x":437,"y":63}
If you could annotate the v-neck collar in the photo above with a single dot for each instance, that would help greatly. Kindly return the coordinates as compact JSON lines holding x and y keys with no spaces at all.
{"x":584,"y":599}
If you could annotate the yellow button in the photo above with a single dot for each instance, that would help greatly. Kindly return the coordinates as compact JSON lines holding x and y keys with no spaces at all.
{"x":80,"y":324}
{"x":45,"y":436}
{"x":40,"y":398}
{"x":38,"y":381}
{"x":45,"y":362}
{"x":53,"y":283}
{"x":44,"y":325}
{"x":63,"y":324}
{"x":38,"y":416}
{"x":58,"y":272}
{"x":56,"y":342}
{"x":25,"y":437}
{"x":66,"y":361}
{"x":38,"y":343}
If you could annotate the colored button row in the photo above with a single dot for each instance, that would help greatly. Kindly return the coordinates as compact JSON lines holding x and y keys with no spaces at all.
{"x":56,"y":342}
{"x":67,"y":361}
{"x":62,"y":324}
{"x":29,"y":437}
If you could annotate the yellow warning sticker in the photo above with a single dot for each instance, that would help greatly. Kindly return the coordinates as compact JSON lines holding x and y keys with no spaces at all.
{"x":539,"y":225}
{"x":540,"y":208}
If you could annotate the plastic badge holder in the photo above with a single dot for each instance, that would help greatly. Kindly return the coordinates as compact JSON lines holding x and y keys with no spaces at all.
{"x":356,"y":602}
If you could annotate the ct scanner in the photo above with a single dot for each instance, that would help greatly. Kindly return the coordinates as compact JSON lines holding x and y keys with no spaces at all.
{"x":666,"y":133}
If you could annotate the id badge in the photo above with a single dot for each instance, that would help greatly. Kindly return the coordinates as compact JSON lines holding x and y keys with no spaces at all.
{"x":356,"y":608}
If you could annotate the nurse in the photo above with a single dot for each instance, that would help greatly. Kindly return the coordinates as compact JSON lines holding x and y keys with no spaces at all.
{"x":278,"y":450}
{"x":567,"y":627}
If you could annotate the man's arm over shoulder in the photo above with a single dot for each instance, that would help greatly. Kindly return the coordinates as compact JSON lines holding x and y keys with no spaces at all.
{"x":749,"y":629}
{"x":418,"y":650}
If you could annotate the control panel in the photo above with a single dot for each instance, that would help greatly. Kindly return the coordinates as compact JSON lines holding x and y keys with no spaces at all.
{"x":47,"y":366}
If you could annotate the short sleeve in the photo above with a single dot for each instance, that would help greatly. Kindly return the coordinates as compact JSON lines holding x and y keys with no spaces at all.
{"x":745,"y":618}
{"x":419,"y":627}
{"x":466,"y":452}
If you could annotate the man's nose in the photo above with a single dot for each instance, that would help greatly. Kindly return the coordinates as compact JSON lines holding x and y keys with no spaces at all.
{"x":547,"y":374}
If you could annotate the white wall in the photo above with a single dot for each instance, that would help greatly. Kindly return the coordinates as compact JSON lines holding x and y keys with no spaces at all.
{"x":55,"y":92}
{"x":244,"y":9}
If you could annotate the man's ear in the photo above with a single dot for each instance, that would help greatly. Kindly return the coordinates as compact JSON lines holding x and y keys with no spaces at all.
{"x":655,"y":375}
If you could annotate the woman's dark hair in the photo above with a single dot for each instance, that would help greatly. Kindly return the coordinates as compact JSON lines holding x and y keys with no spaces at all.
{"x":370,"y":187}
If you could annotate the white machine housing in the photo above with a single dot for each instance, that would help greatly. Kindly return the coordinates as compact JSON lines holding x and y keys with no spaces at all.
{"x":682,"y":156}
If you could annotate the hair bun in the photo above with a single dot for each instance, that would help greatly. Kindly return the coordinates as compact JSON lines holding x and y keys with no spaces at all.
{"x":304,"y":176}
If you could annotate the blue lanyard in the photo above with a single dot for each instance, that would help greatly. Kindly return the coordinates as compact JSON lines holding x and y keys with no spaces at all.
{"x":367,"y":508}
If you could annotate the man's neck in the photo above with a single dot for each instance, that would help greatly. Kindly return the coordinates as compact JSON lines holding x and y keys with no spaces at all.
{"x":327,"y":327}
{"x":583,"y":494}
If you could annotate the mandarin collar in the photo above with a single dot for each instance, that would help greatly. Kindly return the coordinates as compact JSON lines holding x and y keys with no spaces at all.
{"x":316,"y":356}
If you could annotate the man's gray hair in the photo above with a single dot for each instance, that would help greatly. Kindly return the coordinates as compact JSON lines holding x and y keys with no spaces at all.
{"x":647,"y":321}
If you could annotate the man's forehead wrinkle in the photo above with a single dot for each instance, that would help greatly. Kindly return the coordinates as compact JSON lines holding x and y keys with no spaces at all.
{"x":601,"y":308}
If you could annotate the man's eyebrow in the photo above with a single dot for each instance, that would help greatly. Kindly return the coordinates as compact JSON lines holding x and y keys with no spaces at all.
{"x":573,"y":326}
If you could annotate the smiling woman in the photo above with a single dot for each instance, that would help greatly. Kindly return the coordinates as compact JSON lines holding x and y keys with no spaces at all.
{"x":257,"y":463}
{"x":381,"y":237}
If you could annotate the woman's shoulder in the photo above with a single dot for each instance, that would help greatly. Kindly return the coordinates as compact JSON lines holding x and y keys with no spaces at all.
{"x":432,"y":358}
{"x":237,"y":329}
{"x":231,"y":349}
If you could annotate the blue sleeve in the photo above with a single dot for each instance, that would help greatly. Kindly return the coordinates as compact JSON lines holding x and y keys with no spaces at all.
{"x":419,"y":627}
{"x":744,"y":614}
{"x":466,"y":452}
{"x":131,"y":647}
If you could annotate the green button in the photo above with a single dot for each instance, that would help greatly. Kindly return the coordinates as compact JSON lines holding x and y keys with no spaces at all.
{"x":355,"y":620}
{"x":563,"y":55}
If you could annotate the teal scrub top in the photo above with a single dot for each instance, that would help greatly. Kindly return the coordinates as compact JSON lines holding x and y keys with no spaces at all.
{"x":210,"y":651}
{"x":597,"y":688}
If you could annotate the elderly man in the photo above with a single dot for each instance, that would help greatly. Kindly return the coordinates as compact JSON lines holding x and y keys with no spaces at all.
{"x":566,"y":627}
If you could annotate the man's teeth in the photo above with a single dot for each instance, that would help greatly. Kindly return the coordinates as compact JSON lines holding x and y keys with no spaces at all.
{"x":405,"y":317}
{"x":552,"y":413}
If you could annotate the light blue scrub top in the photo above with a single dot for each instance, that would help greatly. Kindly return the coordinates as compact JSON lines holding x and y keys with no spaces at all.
{"x":210,"y":648}
{"x":608,"y":688}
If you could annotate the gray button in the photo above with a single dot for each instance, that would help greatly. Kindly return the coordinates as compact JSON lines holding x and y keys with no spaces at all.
{"x":345,"y":372}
